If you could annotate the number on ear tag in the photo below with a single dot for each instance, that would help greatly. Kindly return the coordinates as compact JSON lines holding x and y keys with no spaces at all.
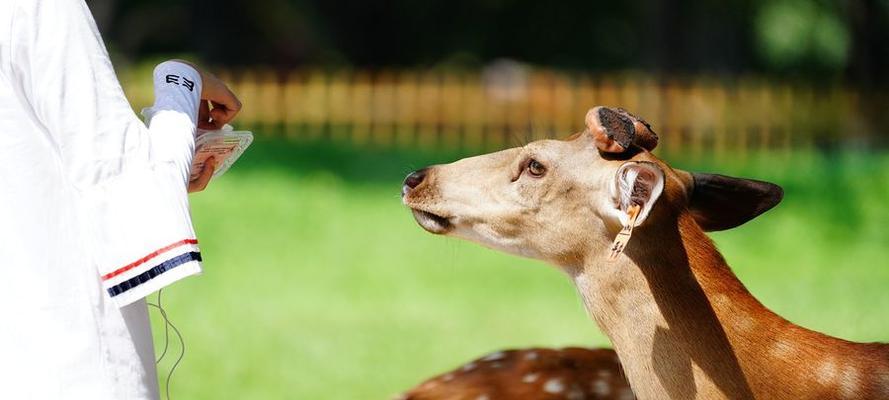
{"x":623,"y":237}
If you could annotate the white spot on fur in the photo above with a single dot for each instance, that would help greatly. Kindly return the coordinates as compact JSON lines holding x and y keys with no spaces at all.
{"x":782,"y":348}
{"x":746,"y":322}
{"x":529,"y":378}
{"x":496,"y":365}
{"x":532,"y":355}
{"x":494,"y":356}
{"x":483,"y":397}
{"x":601,"y":387}
{"x":469,"y":367}
{"x":554,"y":385}
{"x":849,"y":383}
{"x":827,"y":372}
{"x":722,"y":300}
{"x":448,"y":377}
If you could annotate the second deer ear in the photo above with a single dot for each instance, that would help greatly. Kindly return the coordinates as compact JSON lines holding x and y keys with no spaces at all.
{"x":719,"y":202}
{"x":638,"y":183}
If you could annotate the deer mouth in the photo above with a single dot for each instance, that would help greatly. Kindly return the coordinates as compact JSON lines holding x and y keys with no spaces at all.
{"x":432,"y":223}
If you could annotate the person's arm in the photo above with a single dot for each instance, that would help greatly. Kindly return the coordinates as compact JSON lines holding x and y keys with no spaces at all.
{"x":132,"y":179}
{"x":168,"y":81}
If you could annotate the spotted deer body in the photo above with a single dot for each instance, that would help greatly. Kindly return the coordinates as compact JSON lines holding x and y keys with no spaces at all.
{"x":543,"y":374}
{"x":682,"y":323}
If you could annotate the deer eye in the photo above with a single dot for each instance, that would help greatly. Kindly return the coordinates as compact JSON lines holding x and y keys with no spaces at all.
{"x":535,"y":168}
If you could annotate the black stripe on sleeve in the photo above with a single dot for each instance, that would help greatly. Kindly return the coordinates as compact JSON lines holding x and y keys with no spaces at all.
{"x":153,"y":272}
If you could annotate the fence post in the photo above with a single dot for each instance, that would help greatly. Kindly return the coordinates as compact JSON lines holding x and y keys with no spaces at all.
{"x":406,"y":95}
{"x":383,"y":108}
{"x":564,"y":97}
{"x":269,"y":105}
{"x":474,"y":111}
{"x":541,"y":104}
{"x":294,"y":111}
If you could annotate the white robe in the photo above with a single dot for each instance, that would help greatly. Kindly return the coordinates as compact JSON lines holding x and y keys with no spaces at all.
{"x":93,"y":208}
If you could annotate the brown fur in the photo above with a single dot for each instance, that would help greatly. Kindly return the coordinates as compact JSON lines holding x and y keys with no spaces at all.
{"x":715,"y":324}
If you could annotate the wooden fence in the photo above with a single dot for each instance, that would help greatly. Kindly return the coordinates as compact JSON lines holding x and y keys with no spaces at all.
{"x":484,"y":110}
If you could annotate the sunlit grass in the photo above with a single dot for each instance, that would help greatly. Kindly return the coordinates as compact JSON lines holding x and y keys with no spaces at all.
{"x":319,"y":285}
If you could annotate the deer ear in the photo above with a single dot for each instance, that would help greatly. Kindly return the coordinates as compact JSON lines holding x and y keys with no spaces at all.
{"x":637,"y":183}
{"x":719,"y":202}
{"x":615,"y":130}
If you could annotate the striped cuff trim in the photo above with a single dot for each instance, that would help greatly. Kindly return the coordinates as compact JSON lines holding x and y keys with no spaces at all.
{"x":153,"y":272}
{"x":148,"y":258}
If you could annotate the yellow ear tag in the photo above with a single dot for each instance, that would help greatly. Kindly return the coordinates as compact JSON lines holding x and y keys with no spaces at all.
{"x":623,"y":237}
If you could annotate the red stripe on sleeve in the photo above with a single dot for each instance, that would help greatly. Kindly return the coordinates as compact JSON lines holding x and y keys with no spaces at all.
{"x":145,"y":259}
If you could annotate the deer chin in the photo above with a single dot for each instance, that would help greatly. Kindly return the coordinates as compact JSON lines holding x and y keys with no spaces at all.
{"x":432,"y":223}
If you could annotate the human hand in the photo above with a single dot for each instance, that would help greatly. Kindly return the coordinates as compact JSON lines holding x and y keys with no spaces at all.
{"x":214,"y":92}
{"x":200,"y":183}
{"x":225,"y":104}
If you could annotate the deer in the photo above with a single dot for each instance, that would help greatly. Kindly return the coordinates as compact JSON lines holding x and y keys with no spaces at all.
{"x":572,"y":373}
{"x":630,"y":232}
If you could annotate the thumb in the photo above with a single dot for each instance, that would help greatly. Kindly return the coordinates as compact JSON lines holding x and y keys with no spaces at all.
{"x":201,"y":182}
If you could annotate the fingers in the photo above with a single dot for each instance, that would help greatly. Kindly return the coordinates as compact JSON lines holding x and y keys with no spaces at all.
{"x":203,"y":180}
{"x":218,"y":104}
{"x":225,"y":104}
{"x":218,"y":116}
{"x":223,"y":113}
{"x":204,"y":121}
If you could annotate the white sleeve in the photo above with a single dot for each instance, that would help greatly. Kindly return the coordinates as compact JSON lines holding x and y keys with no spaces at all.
{"x":131,"y":179}
{"x":147,"y":239}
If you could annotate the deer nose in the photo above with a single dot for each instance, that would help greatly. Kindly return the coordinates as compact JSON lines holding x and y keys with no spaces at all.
{"x":413,"y":180}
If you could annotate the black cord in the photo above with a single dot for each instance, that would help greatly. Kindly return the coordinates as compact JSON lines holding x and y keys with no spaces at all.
{"x":167,"y":326}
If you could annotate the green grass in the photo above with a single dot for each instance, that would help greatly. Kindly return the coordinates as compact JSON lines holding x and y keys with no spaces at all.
{"x":319,"y":285}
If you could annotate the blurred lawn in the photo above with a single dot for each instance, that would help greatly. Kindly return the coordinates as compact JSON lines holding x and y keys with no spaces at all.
{"x":319,"y":285}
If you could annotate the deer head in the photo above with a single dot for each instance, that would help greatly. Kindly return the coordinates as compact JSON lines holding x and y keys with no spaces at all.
{"x":682,"y":323}
{"x":563,"y":201}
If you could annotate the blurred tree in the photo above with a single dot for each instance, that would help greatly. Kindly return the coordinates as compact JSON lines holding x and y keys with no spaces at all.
{"x":802,"y":34}
{"x":816,"y":39}
{"x":869,"y":58}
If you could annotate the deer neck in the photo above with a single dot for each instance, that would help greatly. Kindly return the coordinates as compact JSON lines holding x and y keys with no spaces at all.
{"x":685,"y":327}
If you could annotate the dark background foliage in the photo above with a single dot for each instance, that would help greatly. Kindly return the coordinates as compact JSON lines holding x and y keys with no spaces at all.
{"x":813,"y":40}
